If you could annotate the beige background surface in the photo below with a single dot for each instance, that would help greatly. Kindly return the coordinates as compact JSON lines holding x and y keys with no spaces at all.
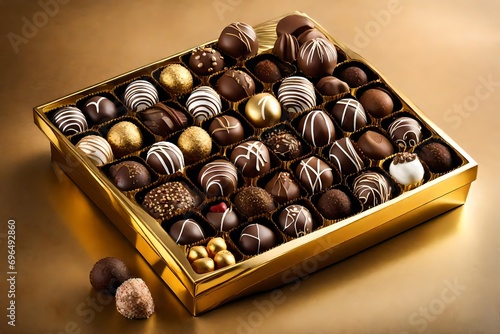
{"x":440,"y":277}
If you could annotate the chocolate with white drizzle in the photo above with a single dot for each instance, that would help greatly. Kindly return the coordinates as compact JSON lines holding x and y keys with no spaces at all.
{"x":349,"y":114}
{"x":70,"y":120}
{"x":165,"y":157}
{"x":226,"y":130}
{"x":186,"y":231}
{"x":344,"y":156}
{"x":203,"y":103}
{"x":296,"y":221}
{"x":405,"y":132}
{"x":256,"y":238}
{"x":218,"y":178}
{"x":296,"y":94}
{"x":317,"y":57}
{"x":99,"y":109}
{"x":372,"y":188}
{"x":222,"y":217}
{"x":140,"y":94}
{"x":314,"y":174}
{"x":251,"y":158}
{"x":97,"y":149}
{"x":317,"y":128}
{"x":238,"y":40}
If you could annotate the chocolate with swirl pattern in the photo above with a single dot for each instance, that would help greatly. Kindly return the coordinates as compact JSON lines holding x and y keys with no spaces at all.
{"x":238,"y":40}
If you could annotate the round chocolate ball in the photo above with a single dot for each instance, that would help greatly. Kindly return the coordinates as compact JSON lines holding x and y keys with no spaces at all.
{"x":251,"y":158}
{"x":100,"y":109}
{"x":252,"y":201}
{"x":70,"y":120}
{"x":206,"y":60}
{"x":354,"y":76}
{"x":218,"y":178}
{"x":203,"y":103}
{"x":222,"y":217}
{"x":267,"y":71}
{"x":140,"y":94}
{"x":195,"y":144}
{"x":129,"y":175}
{"x":238,"y":40}
{"x":235,"y":85}
{"x":204,"y":265}
{"x":317,"y":58}
{"x":372,"y":189}
{"x":310,"y":34}
{"x":97,"y":149}
{"x":405,"y":132}
{"x":406,"y":169}
{"x":375,"y":145}
{"x":256,"y":239}
{"x":125,"y":138}
{"x":437,"y":157}
{"x":330,"y":86}
{"x":314,"y":174}
{"x":176,"y":79}
{"x":162,"y":119}
{"x":296,"y":221}
{"x":223,"y":259}
{"x":349,"y":114}
{"x":335,"y":204}
{"x":197,"y":252}
{"x":296,"y":94}
{"x":108,"y":274}
{"x":226,"y":130}
{"x":186,"y":231}
{"x":167,"y":200}
{"x":216,"y":245}
{"x":345,"y":157}
{"x":284,"y":144}
{"x":293,"y":24}
{"x":377,"y":102}
{"x":165,"y":158}
{"x":282,"y":188}
{"x":263,"y":110}
{"x":286,"y":47}
{"x":317,"y":128}
{"x":134,"y":300}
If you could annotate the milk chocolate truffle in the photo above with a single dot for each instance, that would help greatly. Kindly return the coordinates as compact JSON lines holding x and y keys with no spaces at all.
{"x":195,"y":144}
{"x":405,"y":132}
{"x":222,"y":217}
{"x":263,"y":110}
{"x":406,"y":169}
{"x":372,"y":188}
{"x":377,"y":102}
{"x":186,"y":231}
{"x":286,"y":47}
{"x":70,"y":120}
{"x":124,"y":137}
{"x":437,"y":157}
{"x":284,"y":144}
{"x":349,"y":114}
{"x":354,"y":76}
{"x":267,"y":71}
{"x":140,"y":94}
{"x":203,"y":103}
{"x":335,"y":204}
{"x":238,"y":40}
{"x":296,"y":94}
{"x":317,"y":58}
{"x":97,"y":149}
{"x":176,"y":79}
{"x":167,"y":200}
{"x":206,"y":60}
{"x":108,"y":274}
{"x":252,"y":201}
{"x":257,"y":238}
{"x":251,"y":158}
{"x":235,"y":85}
{"x":317,"y":128}
{"x":218,"y":178}
{"x":296,"y":221}
{"x":282,"y":187}
{"x":129,"y":175}
{"x":165,"y":158}
{"x":294,"y":24}
{"x":226,"y":130}
{"x":310,"y":34}
{"x":100,"y":109}
{"x":330,"y":86}
{"x":375,"y":145}
{"x":162,"y":119}
{"x":345,"y":157}
{"x":134,"y":300}
{"x":314,"y":174}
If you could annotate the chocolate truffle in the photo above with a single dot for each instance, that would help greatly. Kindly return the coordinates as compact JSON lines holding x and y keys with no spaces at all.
{"x":252,"y":201}
{"x":437,"y":157}
{"x":216,"y":245}
{"x":296,"y":221}
{"x":331,"y":86}
{"x":222,"y":217}
{"x":375,"y":145}
{"x":205,"y":61}
{"x":176,"y":79}
{"x":405,"y":132}
{"x":317,"y":58}
{"x":257,"y":238}
{"x":226,"y":130}
{"x":108,"y":274}
{"x":282,"y":188}
{"x":284,"y":144}
{"x":124,"y":138}
{"x":251,"y":158}
{"x":100,"y":109}
{"x":353,"y":76}
{"x":317,"y":128}
{"x":310,"y":34}
{"x":140,"y":94}
{"x":371,"y":188}
{"x":203,"y":103}
{"x":197,"y":252}
{"x":134,"y":300}
{"x":218,"y":178}
{"x":165,"y":158}
{"x":335,"y":204}
{"x":195,"y":144}
{"x":97,"y":149}
{"x":349,"y":114}
{"x":167,"y":200}
{"x":235,"y":85}
{"x":203,"y":265}
{"x":223,"y":259}
{"x":406,"y":169}
{"x":162,"y":119}
{"x":377,"y":102}
{"x":70,"y":120}
{"x":294,"y":24}
{"x":186,"y":231}
{"x":267,"y":71}
{"x":286,"y":47}
{"x":314,"y":174}
{"x":345,"y":157}
{"x":263,"y":110}
{"x":238,"y":40}
{"x":129,"y":175}
{"x":296,"y":94}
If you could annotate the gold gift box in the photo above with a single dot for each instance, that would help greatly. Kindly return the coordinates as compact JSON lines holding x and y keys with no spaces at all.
{"x":282,"y":264}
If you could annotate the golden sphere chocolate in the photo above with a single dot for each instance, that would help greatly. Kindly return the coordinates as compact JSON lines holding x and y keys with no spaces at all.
{"x":204,"y":265}
{"x":263,"y":110}
{"x":195,"y":144}
{"x":223,"y":259}
{"x":197,"y":252}
{"x":177,"y":79}
{"x":216,"y":245}
{"x":124,"y":138}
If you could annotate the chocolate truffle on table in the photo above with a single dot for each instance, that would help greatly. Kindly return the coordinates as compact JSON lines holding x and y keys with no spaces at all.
{"x":134,"y":300}
{"x":124,"y":138}
{"x":296,"y":220}
{"x":296,"y":94}
{"x":129,"y":175}
{"x":218,"y":178}
{"x":162,"y":119}
{"x":222,"y":217}
{"x":317,"y":128}
{"x":345,"y":157}
{"x":310,"y":34}
{"x":263,"y":110}
{"x":330,"y":86}
{"x":257,"y":238}
{"x":436,"y":156}
{"x":195,"y":144}
{"x":282,"y":187}
{"x":372,"y":188}
{"x":317,"y":58}
{"x":349,"y":114}
{"x":203,"y":103}
{"x":375,"y":145}
{"x":238,"y":40}
{"x":97,"y":149}
{"x":186,"y":231}
{"x":167,"y":200}
{"x":251,"y":158}
{"x":206,"y":60}
{"x":235,"y":85}
{"x":226,"y":130}
{"x":286,"y":47}
{"x":284,"y":144}
{"x":377,"y":102}
{"x":176,"y":79}
{"x":406,"y":169}
{"x":252,"y":201}
{"x":70,"y":120}
{"x":267,"y":71}
{"x":335,"y":204}
{"x":314,"y":174}
{"x":108,"y":274}
{"x":165,"y":158}
{"x":405,"y":132}
{"x":100,"y":109}
{"x":140,"y":94}
{"x":354,"y":76}
{"x":294,"y":24}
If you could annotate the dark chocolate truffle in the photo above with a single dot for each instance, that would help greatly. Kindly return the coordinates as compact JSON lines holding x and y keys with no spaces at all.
{"x":437,"y":157}
{"x":335,"y":204}
{"x":203,"y":103}
{"x":345,"y":157}
{"x":372,"y":188}
{"x":195,"y":144}
{"x":70,"y":120}
{"x":296,"y":94}
{"x":331,"y":86}
{"x":263,"y":110}
{"x":251,"y":158}
{"x":222,"y":218}
{"x":134,"y":300}
{"x":238,"y":40}
{"x":129,"y":175}
{"x":205,"y":61}
{"x":284,"y":144}
{"x":267,"y":71}
{"x":140,"y":94}
{"x":314,"y":174}
{"x":317,"y":128}
{"x":405,"y":132}
{"x":218,"y":178}
{"x":353,"y":76}
{"x":165,"y":158}
{"x":167,"y":200}
{"x":176,"y":79}
{"x":349,"y":114}
{"x":256,"y":238}
{"x":310,"y":34}
{"x":235,"y":85}
{"x":296,"y":221}
{"x":252,"y":201}
{"x":377,"y":102}
{"x":97,"y":149}
{"x":286,"y":47}
{"x":100,"y":109}
{"x":226,"y":130}
{"x":317,"y":58}
{"x":108,"y":274}
{"x":186,"y":231}
{"x":163,"y":120}
{"x":282,"y":187}
{"x":375,"y":145}
{"x":294,"y":24}
{"x":124,"y":138}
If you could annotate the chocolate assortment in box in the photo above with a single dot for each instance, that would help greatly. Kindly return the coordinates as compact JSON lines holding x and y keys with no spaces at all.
{"x":271,"y":148}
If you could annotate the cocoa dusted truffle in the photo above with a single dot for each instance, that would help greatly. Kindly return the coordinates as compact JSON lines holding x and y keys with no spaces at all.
{"x":129,"y":175}
{"x":195,"y":144}
{"x":406,"y":169}
{"x":372,"y":188}
{"x":286,"y":47}
{"x":70,"y":120}
{"x":97,"y":149}
{"x":437,"y":157}
{"x":203,"y":103}
{"x":186,"y":231}
{"x":377,"y":102}
{"x":317,"y":58}
{"x":294,"y":24}
{"x":140,"y":94}
{"x":222,"y":217}
{"x":296,"y":94}
{"x":134,"y":300}
{"x":108,"y":274}
{"x":405,"y":132}
{"x":251,"y":158}
{"x":375,"y":145}
{"x":282,"y":188}
{"x":345,"y":157}
{"x":235,"y":85}
{"x":335,"y":204}
{"x":263,"y":110}
{"x":349,"y":114}
{"x":226,"y":130}
{"x":176,"y":79}
{"x":100,"y":109}
{"x":256,"y":239}
{"x":296,"y":220}
{"x":218,"y":178}
{"x":284,"y":144}
{"x":314,"y":174}
{"x":267,"y":71}
{"x":330,"y":86}
{"x":165,"y":158}
{"x":124,"y":138}
{"x":238,"y":40}
{"x":354,"y":76}
{"x":167,"y":200}
{"x":162,"y":119}
{"x":252,"y":201}
{"x":317,"y":128}
{"x":206,"y":60}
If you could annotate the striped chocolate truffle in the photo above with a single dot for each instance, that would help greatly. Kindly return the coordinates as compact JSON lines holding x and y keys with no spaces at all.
{"x":296,"y":220}
{"x":70,"y":120}
{"x":251,"y":158}
{"x":218,"y":178}
{"x":349,"y":114}
{"x":317,"y":128}
{"x":296,"y":94}
{"x":97,"y":149}
{"x":317,"y":57}
{"x":140,"y":94}
{"x":203,"y":103}
{"x":314,"y":174}
{"x":405,"y":132}
{"x":371,"y":188}
{"x":186,"y":231}
{"x":344,"y":156}
{"x":165,"y":158}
